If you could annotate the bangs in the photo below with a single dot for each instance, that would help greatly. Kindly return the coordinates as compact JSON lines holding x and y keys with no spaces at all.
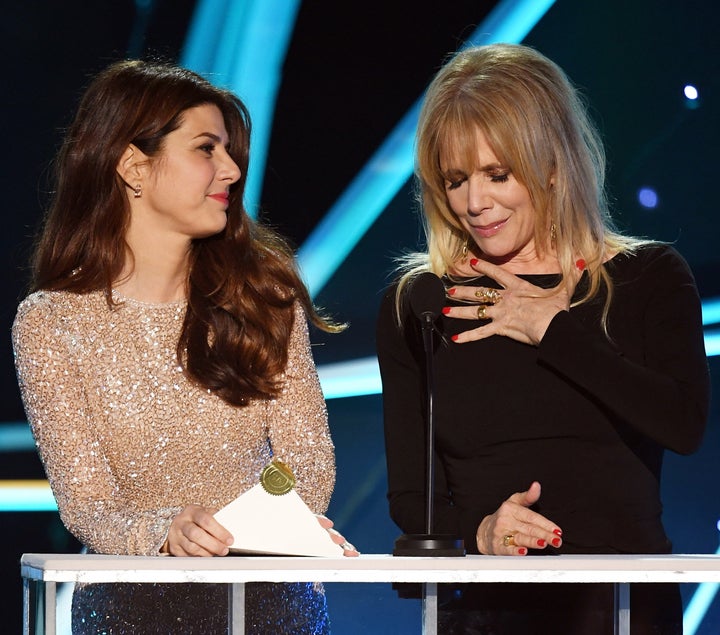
{"x":457,"y":138}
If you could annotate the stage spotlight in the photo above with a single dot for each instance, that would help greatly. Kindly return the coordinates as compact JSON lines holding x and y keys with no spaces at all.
{"x":692,"y":96}
{"x":647,"y":197}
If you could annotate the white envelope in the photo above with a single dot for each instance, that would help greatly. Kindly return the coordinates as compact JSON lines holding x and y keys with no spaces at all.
{"x":263,"y":523}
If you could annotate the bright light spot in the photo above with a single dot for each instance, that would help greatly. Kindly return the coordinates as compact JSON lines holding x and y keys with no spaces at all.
{"x":648,"y":198}
{"x":690,"y":92}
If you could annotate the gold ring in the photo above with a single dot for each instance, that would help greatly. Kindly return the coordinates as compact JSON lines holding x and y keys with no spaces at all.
{"x":488,"y":296}
{"x":493,"y":296}
{"x":508,"y":540}
{"x":481,"y":310}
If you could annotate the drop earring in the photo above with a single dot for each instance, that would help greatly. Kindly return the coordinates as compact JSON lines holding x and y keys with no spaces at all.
{"x":137,"y":191}
{"x":553,"y":234}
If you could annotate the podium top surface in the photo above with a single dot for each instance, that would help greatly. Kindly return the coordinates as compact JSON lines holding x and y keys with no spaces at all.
{"x":372,"y":568}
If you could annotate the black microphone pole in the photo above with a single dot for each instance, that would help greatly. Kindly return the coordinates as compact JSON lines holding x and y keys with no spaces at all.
{"x":427,"y":326}
{"x":427,"y":297}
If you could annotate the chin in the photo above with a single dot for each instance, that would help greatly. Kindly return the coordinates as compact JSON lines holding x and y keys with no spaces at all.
{"x":217,"y":226}
{"x":210,"y":231}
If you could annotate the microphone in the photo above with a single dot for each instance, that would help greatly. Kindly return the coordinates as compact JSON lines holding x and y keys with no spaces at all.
{"x":427,"y":297}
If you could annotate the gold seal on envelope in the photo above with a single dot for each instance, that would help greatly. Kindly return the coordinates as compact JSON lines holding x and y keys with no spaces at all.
{"x":277,"y":478}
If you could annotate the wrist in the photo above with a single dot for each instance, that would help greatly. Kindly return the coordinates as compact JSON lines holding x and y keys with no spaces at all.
{"x":479,"y":537}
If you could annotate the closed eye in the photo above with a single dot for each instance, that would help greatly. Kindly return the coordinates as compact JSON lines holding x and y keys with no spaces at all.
{"x":500,"y":178}
{"x":454,"y":179}
{"x":453,"y":185}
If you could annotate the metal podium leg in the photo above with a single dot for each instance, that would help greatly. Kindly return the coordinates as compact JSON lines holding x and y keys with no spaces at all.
{"x":26,"y":606}
{"x":236,"y":608}
{"x":48,"y":608}
{"x":430,"y":608}
{"x":622,"y":608}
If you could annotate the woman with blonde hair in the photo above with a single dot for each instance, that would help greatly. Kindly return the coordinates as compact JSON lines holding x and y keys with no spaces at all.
{"x":568,"y":357}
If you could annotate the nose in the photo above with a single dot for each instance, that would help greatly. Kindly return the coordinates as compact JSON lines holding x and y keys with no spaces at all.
{"x":478,"y":196}
{"x":228,"y":170}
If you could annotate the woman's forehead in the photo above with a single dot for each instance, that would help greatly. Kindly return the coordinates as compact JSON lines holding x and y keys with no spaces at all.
{"x":467,"y":149}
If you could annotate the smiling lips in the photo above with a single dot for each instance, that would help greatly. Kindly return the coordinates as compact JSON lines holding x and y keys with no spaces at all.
{"x":222,"y":197}
{"x":486,"y":231}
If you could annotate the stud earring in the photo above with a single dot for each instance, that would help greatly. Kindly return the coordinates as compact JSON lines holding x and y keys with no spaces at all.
{"x":137,"y":191}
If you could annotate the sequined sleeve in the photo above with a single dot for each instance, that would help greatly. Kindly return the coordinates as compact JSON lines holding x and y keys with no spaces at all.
{"x":88,"y":498}
{"x":298,"y":423}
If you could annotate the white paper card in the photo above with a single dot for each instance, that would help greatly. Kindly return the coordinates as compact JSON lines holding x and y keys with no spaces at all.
{"x":276,"y":525}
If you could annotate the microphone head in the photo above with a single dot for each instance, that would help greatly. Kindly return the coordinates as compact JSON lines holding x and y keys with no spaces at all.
{"x":427,"y":296}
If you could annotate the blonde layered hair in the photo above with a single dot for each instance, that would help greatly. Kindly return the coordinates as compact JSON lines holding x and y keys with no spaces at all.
{"x":537,"y":125}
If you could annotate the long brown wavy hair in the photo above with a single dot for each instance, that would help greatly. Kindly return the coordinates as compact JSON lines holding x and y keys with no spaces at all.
{"x":242,"y":283}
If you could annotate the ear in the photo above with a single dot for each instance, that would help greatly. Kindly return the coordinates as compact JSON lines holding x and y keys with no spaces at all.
{"x":130,"y":165}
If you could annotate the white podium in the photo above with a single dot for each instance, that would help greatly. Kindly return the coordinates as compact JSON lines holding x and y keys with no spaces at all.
{"x":44,"y":571}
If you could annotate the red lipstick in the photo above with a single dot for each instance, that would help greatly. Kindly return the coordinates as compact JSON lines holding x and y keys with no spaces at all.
{"x":221,"y":197}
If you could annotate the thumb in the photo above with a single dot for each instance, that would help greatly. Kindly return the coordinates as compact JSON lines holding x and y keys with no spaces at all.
{"x":532,"y":495}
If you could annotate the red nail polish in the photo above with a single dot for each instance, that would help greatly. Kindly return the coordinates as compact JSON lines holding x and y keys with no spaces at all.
{"x":451,"y":291}
{"x":556,"y":542}
{"x":446,"y":310}
{"x":557,"y":532}
{"x":581,"y":264}
{"x":473,"y":262}
{"x":541,"y":542}
{"x":522,"y":551}
{"x":454,"y":338}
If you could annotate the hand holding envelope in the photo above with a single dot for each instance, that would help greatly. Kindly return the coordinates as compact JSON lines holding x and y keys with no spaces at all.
{"x":271,"y":518}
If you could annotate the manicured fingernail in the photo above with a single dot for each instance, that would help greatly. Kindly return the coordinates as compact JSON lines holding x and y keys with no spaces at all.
{"x":556,"y":542}
{"x":541,"y":542}
{"x":581,"y":264}
{"x":522,"y":551}
{"x":473,"y":261}
{"x":451,"y":291}
{"x":454,"y":338}
{"x":446,"y":310}
{"x":557,"y":532}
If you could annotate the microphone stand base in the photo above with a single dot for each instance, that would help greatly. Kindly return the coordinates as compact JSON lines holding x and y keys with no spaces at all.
{"x":429,"y":545}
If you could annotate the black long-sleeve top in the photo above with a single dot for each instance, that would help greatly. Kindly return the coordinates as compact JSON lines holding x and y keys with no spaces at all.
{"x":587,"y":416}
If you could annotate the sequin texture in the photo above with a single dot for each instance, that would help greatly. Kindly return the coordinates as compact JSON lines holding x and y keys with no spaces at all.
{"x":127,"y":440}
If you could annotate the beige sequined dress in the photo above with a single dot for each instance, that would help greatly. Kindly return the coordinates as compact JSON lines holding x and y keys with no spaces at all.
{"x":127,"y":440}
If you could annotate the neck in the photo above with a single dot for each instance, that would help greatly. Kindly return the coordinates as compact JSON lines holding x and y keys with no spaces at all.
{"x":155,"y":271}
{"x":151,"y":288}
{"x":529,"y":262}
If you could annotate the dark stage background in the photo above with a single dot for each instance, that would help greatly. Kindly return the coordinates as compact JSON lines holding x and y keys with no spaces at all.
{"x":352,"y":71}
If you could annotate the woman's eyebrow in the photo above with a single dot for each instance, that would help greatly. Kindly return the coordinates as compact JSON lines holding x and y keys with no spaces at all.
{"x":209,"y":135}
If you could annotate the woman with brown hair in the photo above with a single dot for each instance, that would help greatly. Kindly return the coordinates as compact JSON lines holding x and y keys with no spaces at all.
{"x":163,"y":355}
{"x":568,"y":357}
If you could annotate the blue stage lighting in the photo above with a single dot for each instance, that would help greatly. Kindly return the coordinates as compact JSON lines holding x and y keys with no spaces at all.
{"x":241,"y":45}
{"x":392,"y":164}
{"x":648,"y":197}
{"x":26,"y":496}
{"x":711,"y":311}
{"x":699,"y":604}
